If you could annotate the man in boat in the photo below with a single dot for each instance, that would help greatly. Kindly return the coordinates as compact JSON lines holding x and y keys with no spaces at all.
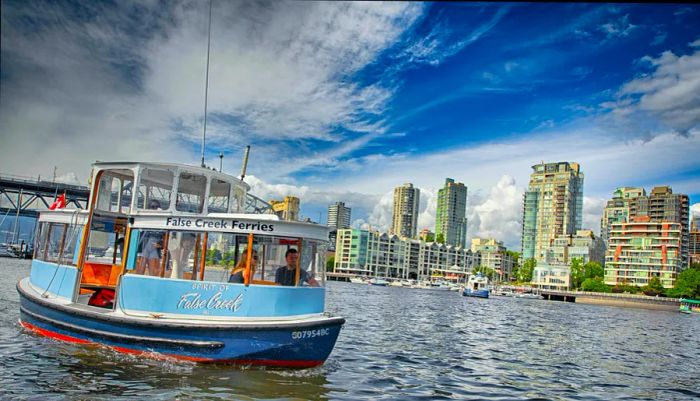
{"x":285,"y":275}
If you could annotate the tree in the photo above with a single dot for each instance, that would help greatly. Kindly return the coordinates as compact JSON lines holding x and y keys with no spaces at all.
{"x":440,"y":238}
{"x":577,"y":273}
{"x":687,"y":284}
{"x":654,"y":287}
{"x":486,"y":271}
{"x":525,"y":272}
{"x":595,"y":285}
{"x":329,"y":264}
{"x":515,"y":256}
{"x":213,"y":257}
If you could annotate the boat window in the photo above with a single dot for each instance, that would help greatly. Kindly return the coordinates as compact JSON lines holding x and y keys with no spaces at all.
{"x":70,"y":247}
{"x":190,"y":192}
{"x":106,"y":242}
{"x":155,"y":189}
{"x":170,"y":254}
{"x":114,"y":191}
{"x":54,"y":242}
{"x":227,"y":257}
{"x":40,"y":237}
{"x":219,"y":194}
{"x":151,"y":248}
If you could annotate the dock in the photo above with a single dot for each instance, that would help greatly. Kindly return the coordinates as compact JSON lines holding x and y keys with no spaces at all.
{"x":622,"y":300}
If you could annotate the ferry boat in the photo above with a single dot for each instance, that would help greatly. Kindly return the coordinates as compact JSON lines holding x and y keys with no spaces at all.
{"x":689,"y":306}
{"x":146,"y":269}
{"x":477,"y":287}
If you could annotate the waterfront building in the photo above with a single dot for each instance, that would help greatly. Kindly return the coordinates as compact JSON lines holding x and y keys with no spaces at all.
{"x":492,"y":254}
{"x":405,"y":214}
{"x":551,"y":277}
{"x":663,"y":205}
{"x":641,"y":249}
{"x":584,"y":245}
{"x":351,"y":252}
{"x":552,"y":206}
{"x":287,"y":209}
{"x":450,"y":218}
{"x":363,"y":252}
{"x":338,"y":218}
{"x":620,"y":208}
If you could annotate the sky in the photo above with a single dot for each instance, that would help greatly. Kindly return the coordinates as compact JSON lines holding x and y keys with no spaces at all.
{"x":346,"y":101}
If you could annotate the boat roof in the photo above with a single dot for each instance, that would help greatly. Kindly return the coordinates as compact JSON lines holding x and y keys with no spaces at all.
{"x":172,"y":166}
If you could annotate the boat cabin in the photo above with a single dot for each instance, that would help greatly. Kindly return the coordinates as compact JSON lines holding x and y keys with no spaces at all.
{"x":169,"y":239}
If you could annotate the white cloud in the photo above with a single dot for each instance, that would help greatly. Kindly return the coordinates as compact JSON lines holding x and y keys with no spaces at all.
{"x":113,"y":88}
{"x":695,"y":212}
{"x":671,"y":92}
{"x":499,"y":215}
{"x":619,"y":28}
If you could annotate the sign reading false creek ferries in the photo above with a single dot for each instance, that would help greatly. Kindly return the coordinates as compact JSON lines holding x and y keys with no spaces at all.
{"x":226,"y":225}
{"x":239,"y":224}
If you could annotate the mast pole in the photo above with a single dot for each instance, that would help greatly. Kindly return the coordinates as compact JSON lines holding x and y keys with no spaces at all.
{"x":206,"y":86}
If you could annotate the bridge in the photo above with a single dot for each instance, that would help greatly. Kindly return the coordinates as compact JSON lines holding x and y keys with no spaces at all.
{"x":27,"y":197}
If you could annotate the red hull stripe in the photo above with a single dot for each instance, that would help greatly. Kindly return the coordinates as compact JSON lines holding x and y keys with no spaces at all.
{"x":155,"y":355}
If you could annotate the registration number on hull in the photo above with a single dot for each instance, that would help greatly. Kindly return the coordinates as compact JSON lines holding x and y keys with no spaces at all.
{"x":298,"y":335}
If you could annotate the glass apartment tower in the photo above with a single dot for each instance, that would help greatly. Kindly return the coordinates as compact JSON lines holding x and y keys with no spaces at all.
{"x":405,"y":215}
{"x":451,"y":219}
{"x":552,"y":206}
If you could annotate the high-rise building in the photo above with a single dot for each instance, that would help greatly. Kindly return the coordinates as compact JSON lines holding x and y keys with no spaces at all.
{"x":450,"y":219}
{"x":338,"y":219}
{"x":694,"y":243}
{"x":642,"y":249}
{"x":338,"y":216}
{"x":662,"y":205}
{"x":620,"y":208}
{"x":552,"y":206}
{"x":405,"y":216}
{"x":288,"y":209}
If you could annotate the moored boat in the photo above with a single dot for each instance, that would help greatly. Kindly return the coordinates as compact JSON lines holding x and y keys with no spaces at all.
{"x":147,"y":270}
{"x":477,"y":287}
{"x":689,"y":306}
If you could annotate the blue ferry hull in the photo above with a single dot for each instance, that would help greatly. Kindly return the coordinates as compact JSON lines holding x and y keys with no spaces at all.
{"x":297,"y":344}
{"x":475,"y":293}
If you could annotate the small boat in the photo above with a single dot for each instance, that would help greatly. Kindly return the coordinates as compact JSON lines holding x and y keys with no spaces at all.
{"x":378,"y":282}
{"x":529,"y":295}
{"x":477,"y":287}
{"x":146,"y":270}
{"x":357,"y":280}
{"x":689,"y":306}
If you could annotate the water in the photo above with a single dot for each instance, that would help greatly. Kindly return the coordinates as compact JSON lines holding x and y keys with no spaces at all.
{"x":397,"y":344}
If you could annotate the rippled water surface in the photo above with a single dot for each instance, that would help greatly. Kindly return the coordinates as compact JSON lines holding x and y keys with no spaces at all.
{"x":397,"y":344}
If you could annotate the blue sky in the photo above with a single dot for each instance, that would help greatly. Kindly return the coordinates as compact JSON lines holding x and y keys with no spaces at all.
{"x":345,"y":101}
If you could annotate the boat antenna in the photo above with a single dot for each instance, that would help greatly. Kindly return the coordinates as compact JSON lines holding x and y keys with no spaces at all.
{"x":245,"y":162}
{"x":206,"y":86}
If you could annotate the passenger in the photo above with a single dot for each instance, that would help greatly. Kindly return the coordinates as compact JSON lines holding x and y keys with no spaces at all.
{"x":151,"y":246}
{"x":180,"y":246}
{"x":285,"y":275}
{"x":238,"y":271}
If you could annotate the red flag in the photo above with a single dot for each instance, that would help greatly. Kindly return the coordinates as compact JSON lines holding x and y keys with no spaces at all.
{"x":59,"y":203}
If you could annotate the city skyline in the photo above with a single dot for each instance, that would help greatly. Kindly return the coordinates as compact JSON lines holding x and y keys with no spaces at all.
{"x":346,"y":101}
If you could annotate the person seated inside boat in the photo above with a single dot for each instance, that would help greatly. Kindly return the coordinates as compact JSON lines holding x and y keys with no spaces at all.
{"x":151,"y":246}
{"x":153,"y":204}
{"x":285,"y":275}
{"x":180,"y":247}
{"x":238,"y":271}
